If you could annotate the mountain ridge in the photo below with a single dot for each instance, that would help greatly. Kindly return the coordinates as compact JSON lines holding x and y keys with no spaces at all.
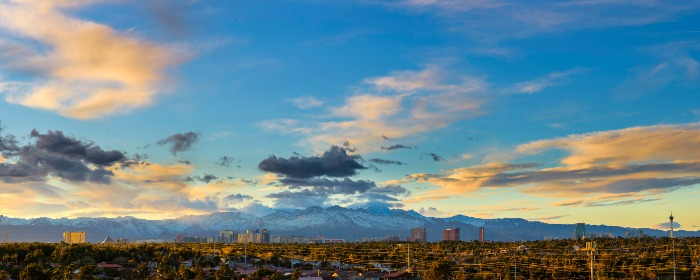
{"x":333,"y":222}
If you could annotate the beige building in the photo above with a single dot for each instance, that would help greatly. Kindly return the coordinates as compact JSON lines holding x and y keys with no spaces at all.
{"x":74,"y":237}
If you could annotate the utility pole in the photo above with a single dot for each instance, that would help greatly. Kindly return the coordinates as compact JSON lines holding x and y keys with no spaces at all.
{"x":516,"y":267}
{"x":408,"y":259}
{"x":590,"y":247}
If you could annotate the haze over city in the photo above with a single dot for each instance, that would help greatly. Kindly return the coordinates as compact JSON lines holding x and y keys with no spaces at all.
{"x":561,"y":112}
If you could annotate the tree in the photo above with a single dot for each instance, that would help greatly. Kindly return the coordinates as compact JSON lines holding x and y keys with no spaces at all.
{"x":441,"y":269}
{"x":86,"y":272}
{"x":32,"y":271}
{"x":198,"y":272}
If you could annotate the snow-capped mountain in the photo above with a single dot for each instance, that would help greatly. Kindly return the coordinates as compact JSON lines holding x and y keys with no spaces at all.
{"x":332,"y":222}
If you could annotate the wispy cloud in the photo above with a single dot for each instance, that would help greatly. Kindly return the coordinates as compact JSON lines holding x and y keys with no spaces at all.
{"x":495,"y":20}
{"x":402,"y":104}
{"x":671,"y":62}
{"x":81,"y":69}
{"x":305,"y":102}
{"x":549,"y":80}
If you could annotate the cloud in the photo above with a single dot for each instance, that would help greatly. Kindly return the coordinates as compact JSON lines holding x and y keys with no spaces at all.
{"x":433,"y":212}
{"x":434,"y":156}
{"x":606,"y":168}
{"x":56,"y":142}
{"x":305,"y":102}
{"x":385,"y":161}
{"x":666,"y":225}
{"x":225,"y":161}
{"x":206,"y":178}
{"x":549,"y":80}
{"x":326,"y":187}
{"x":171,"y":15}
{"x":401,"y":104}
{"x":180,"y":142}
{"x":396,"y":146}
{"x":54,"y":154}
{"x":238,"y":198}
{"x":671,"y":62}
{"x":81,"y":69}
{"x":334,"y":162}
{"x":491,"y":21}
{"x":608,"y":200}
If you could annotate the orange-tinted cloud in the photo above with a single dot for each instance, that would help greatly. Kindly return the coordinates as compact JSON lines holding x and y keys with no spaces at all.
{"x":83,"y":69}
{"x":601,"y":169}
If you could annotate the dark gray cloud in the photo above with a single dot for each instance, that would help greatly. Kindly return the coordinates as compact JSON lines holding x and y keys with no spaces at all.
{"x":206,"y":178}
{"x":396,"y":146}
{"x":434,"y":156}
{"x":333,"y":163}
{"x":171,"y":14}
{"x":180,"y":142}
{"x":300,"y":199}
{"x":386,"y":161}
{"x":185,"y":162}
{"x":56,"y":143}
{"x":225,"y":161}
{"x":346,"y":145}
{"x":238,"y":197}
{"x":55,"y":154}
{"x":326,"y":187}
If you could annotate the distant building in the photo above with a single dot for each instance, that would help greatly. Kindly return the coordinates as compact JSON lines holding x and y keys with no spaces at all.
{"x":74,"y":237}
{"x":108,"y":240}
{"x":450,"y":234}
{"x":579,"y":231}
{"x":286,"y":239}
{"x":418,"y":235}
{"x":482,"y":238}
{"x":393,"y":238}
{"x":227,"y":236}
{"x":265,"y":236}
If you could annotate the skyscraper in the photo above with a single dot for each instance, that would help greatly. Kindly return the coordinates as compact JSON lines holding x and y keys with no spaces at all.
{"x":226,"y":236}
{"x":74,"y":237}
{"x":579,"y":231}
{"x":418,"y":235}
{"x":265,"y":236}
{"x":450,"y":234}
{"x":482,"y":238}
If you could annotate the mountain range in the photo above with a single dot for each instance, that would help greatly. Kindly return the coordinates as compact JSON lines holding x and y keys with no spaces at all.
{"x":332,"y":222}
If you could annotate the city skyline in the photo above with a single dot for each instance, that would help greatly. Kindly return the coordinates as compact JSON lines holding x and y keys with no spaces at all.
{"x":567,"y":112}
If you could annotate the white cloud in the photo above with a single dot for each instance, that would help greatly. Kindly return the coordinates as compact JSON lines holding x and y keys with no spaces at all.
{"x":549,"y":80}
{"x":305,"y":102}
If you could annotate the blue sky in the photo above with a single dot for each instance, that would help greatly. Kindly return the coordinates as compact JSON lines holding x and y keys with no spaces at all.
{"x":563,"y":112}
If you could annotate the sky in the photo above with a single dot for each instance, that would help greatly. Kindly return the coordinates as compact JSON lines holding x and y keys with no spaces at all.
{"x":560,"y":112}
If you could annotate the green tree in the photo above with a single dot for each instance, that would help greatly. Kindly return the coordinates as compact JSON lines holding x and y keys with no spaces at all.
{"x":86,"y":272}
{"x":441,"y":269}
{"x":33,"y":271}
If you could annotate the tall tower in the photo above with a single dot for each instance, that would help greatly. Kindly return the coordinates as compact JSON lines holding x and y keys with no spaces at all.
{"x":482,"y":238}
{"x":673,"y":249}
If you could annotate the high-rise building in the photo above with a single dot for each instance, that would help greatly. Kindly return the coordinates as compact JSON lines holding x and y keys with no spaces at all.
{"x":450,"y":234}
{"x":226,"y":236}
{"x":482,"y":238}
{"x":265,"y":236}
{"x":74,"y":237}
{"x":418,"y":235}
{"x":580,"y":231}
